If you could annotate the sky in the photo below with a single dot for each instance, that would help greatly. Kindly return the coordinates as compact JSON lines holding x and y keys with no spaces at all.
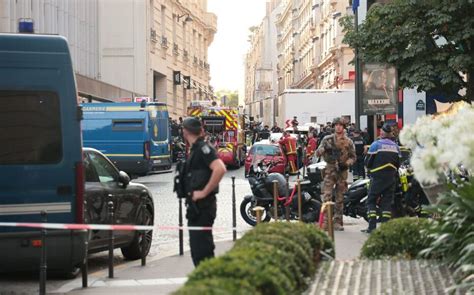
{"x":226,"y":53}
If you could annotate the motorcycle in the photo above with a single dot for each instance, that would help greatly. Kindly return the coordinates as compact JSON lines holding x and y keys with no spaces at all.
{"x":261,"y":183}
{"x":408,"y":198}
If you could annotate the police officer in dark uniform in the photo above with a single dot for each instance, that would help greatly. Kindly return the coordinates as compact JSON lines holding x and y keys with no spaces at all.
{"x":203,"y":171}
{"x":359,"y":144}
{"x":264,"y":133}
{"x":382,"y":161}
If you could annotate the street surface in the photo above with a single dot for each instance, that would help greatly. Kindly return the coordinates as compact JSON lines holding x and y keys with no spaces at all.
{"x":165,"y":247}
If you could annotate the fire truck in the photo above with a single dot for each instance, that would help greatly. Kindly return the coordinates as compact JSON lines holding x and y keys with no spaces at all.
{"x":223,"y":128}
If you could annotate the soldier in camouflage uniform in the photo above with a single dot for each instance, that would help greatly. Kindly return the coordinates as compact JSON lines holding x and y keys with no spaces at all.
{"x":338,"y":152}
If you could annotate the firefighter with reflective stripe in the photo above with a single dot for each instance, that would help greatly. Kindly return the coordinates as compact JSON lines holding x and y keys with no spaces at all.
{"x":382,"y":162}
{"x":310,"y":147}
{"x":289,"y":146}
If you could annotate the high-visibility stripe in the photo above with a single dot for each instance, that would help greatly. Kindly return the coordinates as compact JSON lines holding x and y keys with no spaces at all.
{"x":35,"y":208}
{"x":389,"y":165}
{"x":159,"y":157}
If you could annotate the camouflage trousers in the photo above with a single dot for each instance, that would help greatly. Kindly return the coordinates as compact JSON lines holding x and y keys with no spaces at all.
{"x":335,"y":180}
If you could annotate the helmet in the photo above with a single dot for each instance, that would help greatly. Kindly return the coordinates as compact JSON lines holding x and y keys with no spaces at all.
{"x":338,"y":120}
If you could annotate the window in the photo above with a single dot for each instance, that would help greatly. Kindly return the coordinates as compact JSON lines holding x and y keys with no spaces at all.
{"x":163,"y":20}
{"x":105,"y":170}
{"x":127,"y":125}
{"x":314,"y":119}
{"x":89,"y":171}
{"x":265,"y":150}
{"x":30,"y":128}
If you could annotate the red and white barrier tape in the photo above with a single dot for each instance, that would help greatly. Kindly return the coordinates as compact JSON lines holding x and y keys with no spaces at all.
{"x":70,"y":226}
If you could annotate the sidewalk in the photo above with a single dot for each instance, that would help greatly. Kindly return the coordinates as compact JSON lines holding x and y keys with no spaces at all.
{"x":161,"y":276}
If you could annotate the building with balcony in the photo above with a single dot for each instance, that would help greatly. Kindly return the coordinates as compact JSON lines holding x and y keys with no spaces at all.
{"x":261,"y":79}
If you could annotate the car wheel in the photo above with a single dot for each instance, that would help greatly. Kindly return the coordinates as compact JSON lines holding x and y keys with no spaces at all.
{"x":134,"y":250}
{"x":70,"y":274}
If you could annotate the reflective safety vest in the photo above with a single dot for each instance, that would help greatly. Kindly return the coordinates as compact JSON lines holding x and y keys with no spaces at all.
{"x":289,"y":143}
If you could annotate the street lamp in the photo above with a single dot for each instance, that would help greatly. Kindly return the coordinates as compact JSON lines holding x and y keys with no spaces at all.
{"x":187,"y":19}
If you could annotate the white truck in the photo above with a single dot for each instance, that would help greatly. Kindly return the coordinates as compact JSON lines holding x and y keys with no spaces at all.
{"x":315,"y":106}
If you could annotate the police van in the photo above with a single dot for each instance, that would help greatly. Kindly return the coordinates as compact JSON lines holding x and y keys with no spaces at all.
{"x":134,"y":136}
{"x":41,"y":166}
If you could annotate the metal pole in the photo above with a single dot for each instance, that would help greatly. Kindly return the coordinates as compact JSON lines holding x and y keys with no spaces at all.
{"x":180,"y":217}
{"x":275,"y":199}
{"x":300,"y":211}
{"x":234,"y":212}
{"x":43,"y":262}
{"x":304,"y":162}
{"x":258,"y":211}
{"x":330,"y":222}
{"x":110,"y":207}
{"x":144,"y":241}
{"x":85,"y":265}
{"x":357,"y":71}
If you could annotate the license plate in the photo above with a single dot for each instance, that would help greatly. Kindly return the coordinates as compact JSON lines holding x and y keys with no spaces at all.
{"x":156,"y":161}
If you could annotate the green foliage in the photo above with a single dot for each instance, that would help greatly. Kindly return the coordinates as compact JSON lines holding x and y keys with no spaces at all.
{"x":401,"y":237}
{"x":232,"y":97}
{"x":411,"y":35}
{"x":453,"y":233}
{"x":273,"y":258}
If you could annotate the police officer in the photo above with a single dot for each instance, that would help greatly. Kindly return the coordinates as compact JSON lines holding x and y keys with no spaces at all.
{"x":359,"y":143}
{"x":382,"y":161}
{"x":339,"y":153}
{"x":203,"y":172}
{"x":264,"y":133}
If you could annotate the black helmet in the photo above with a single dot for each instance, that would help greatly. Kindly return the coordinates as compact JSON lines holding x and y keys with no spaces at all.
{"x":387,"y":128}
{"x":338,"y":120}
{"x":193,"y":125}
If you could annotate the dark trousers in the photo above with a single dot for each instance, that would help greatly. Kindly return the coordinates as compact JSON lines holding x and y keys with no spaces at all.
{"x":359,"y":168}
{"x":201,"y":241}
{"x":383,"y":188}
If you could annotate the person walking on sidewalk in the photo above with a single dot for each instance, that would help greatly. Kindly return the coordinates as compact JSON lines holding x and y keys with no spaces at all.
{"x":338,"y":152}
{"x":203,"y":172}
{"x":382,"y":161}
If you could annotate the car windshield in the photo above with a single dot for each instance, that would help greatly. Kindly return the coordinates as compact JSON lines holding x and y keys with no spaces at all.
{"x":266,"y":150}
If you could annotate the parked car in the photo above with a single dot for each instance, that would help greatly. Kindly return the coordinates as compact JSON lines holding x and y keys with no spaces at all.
{"x":104,"y":184}
{"x":269,"y":152}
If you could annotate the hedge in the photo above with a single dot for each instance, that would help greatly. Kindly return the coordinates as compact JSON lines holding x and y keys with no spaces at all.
{"x":401,"y":237}
{"x":273,"y":258}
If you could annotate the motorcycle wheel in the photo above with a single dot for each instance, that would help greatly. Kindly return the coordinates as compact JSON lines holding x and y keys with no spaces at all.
{"x":248,"y":214}
{"x":311,"y":211}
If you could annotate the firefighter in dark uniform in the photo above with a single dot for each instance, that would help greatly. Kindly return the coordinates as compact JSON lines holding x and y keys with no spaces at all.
{"x":203,"y":171}
{"x":359,"y":144}
{"x":382,"y":162}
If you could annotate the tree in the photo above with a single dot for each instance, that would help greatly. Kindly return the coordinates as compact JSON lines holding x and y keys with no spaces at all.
{"x":232,"y":97}
{"x":430,"y":42}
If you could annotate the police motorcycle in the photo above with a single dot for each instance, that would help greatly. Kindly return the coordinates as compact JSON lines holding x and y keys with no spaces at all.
{"x":261,"y":183}
{"x":409,"y":197}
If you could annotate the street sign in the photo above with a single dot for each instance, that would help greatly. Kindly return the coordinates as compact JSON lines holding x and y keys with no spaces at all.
{"x":176,"y":77}
{"x":420,"y":105}
{"x":379,"y":89}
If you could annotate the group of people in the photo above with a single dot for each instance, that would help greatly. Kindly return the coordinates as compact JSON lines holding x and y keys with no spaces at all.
{"x":344,"y":148}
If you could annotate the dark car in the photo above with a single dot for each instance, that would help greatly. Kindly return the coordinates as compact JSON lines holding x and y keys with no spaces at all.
{"x":104,"y":184}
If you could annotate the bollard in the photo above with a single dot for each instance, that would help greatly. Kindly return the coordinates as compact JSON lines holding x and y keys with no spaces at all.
{"x":84,"y":265}
{"x":110,"y":207}
{"x":304,"y":162}
{"x":330,"y":221}
{"x":234,"y":213}
{"x":300,"y":209}
{"x":43,"y":261}
{"x":143,"y":242}
{"x":287,"y":213}
{"x":275,"y":200}
{"x":287,"y":176}
{"x":180,"y":231}
{"x":298,"y":176}
{"x":258,"y":211}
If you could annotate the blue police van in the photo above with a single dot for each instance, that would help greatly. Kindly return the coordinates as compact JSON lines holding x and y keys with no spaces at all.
{"x":41,"y":167}
{"x":134,"y":136}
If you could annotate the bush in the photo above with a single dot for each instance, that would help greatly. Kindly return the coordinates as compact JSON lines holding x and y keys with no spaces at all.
{"x":401,"y":237}
{"x":453,"y":233}
{"x":273,"y":258}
